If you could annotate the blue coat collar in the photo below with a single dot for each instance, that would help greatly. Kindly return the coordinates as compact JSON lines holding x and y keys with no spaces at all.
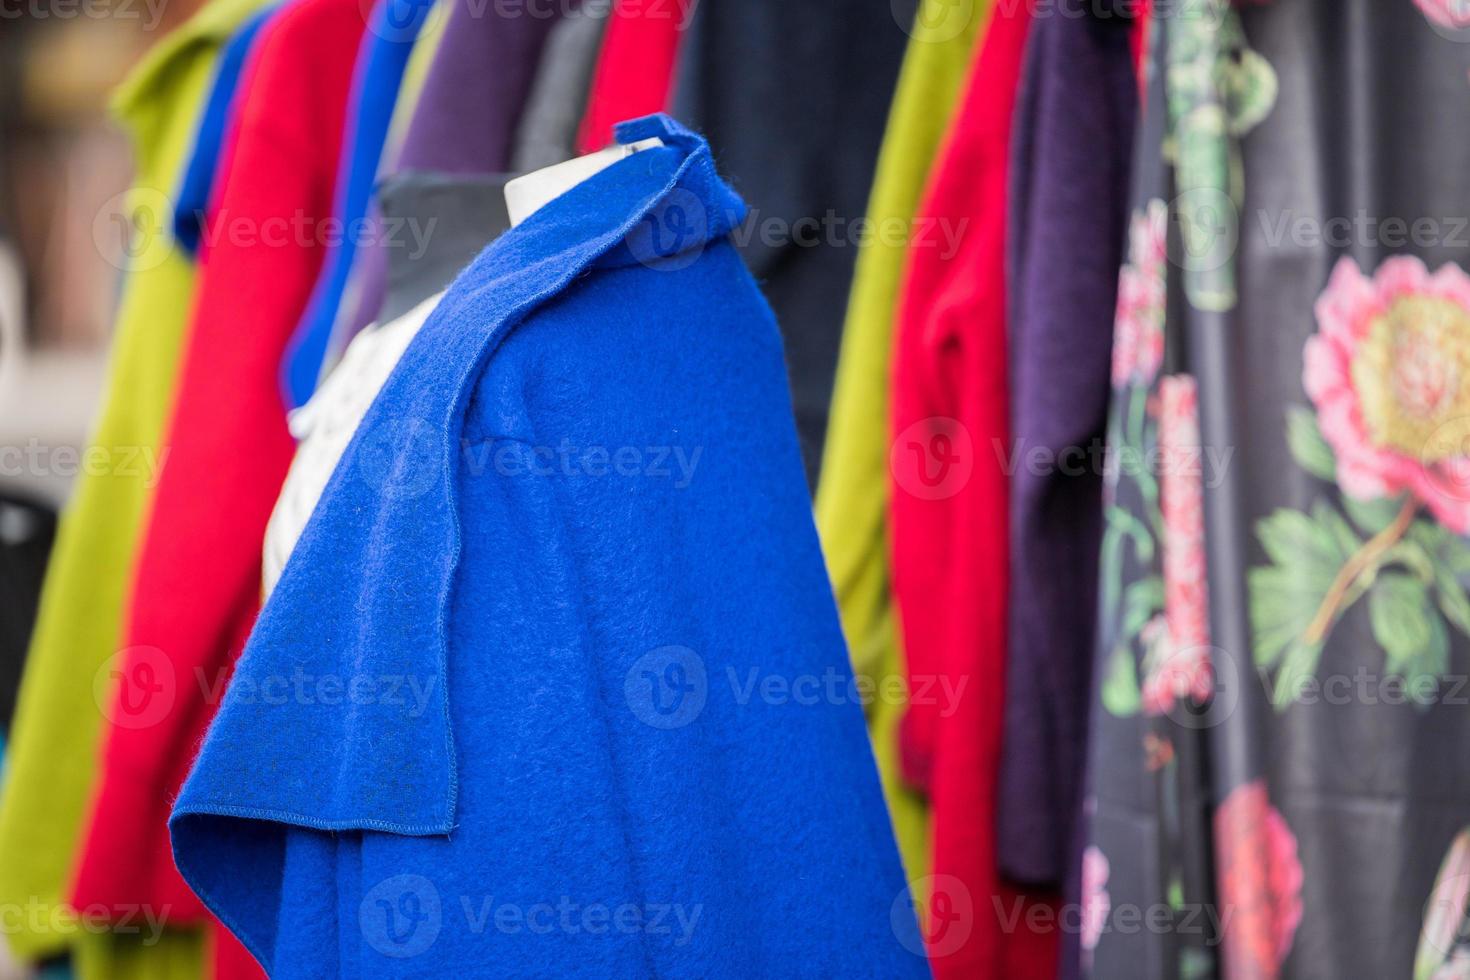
{"x":386,"y":534}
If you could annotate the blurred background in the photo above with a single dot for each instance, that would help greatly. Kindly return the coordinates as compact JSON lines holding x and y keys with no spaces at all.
{"x":61,"y":160}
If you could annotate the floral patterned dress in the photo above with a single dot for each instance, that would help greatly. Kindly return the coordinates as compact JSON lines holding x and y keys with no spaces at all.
{"x":1278,"y":785}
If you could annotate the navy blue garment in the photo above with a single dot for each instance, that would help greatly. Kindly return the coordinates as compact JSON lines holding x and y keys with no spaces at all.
{"x":197,"y":184}
{"x":603,"y":722}
{"x":386,"y":46}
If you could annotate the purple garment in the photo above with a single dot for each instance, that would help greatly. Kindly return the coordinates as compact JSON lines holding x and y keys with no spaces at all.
{"x":1069,"y":204}
{"x":466,"y":117}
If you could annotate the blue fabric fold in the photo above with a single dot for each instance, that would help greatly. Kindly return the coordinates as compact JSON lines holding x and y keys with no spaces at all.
{"x":626,"y":740}
{"x":386,"y":46}
{"x":196,"y":186}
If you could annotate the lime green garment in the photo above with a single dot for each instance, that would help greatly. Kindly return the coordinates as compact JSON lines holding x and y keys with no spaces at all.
{"x":179,"y":955}
{"x":55,"y":738}
{"x":852,"y":497}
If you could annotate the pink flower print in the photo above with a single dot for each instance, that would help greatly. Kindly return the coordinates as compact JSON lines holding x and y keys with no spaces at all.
{"x":1096,"y":904}
{"x":1389,"y":374}
{"x":1454,"y":14}
{"x":1260,"y":880}
{"x":1442,"y":954}
{"x":1179,"y":662}
{"x":1138,"y":334}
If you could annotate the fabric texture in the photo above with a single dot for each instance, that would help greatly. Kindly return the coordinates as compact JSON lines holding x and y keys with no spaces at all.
{"x":51,"y":758}
{"x":196,"y":188}
{"x":387,"y":45}
{"x":1070,"y":177}
{"x":1281,"y":641}
{"x":949,"y":514}
{"x":622,"y":768}
{"x":635,"y":68}
{"x":228,"y":453}
{"x":325,"y":425}
{"x":852,"y":498}
{"x":792,"y":97}
{"x":547,"y":132}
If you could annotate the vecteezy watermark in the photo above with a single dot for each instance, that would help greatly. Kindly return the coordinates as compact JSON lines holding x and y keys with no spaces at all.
{"x":1202,"y":919}
{"x":512,"y":458}
{"x":570,"y":917}
{"x":404,"y":21}
{"x":753,"y":685}
{"x":410,"y":692}
{"x":35,"y":915}
{"x":1361,"y":229}
{"x":1368,"y":687}
{"x":134,"y":230}
{"x":402,"y":457}
{"x":934,"y":915}
{"x":150,"y":12}
{"x":669,"y":687}
{"x":1209,"y":464}
{"x":403,"y":916}
{"x":935,"y":23}
{"x":679,"y":11}
{"x":935,"y":458}
{"x":37,"y":459}
{"x":302,"y":230}
{"x":832,"y":230}
{"x":672,"y":234}
{"x":138,"y":687}
{"x":946,"y":21}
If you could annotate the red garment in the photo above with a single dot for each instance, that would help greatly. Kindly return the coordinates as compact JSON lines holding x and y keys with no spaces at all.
{"x":196,"y":585}
{"x":1139,"y":41}
{"x":635,"y":69}
{"x":949,"y":523}
{"x":228,"y":958}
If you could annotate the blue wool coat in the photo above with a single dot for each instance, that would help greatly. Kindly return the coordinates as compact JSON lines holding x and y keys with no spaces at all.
{"x":553,"y":684}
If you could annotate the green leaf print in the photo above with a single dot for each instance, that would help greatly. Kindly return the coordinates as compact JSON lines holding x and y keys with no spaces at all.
{"x":1307,"y":446}
{"x":1120,"y":695}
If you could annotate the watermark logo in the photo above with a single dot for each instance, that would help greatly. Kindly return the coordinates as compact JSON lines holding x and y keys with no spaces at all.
{"x":666,"y":688}
{"x":934,"y":915}
{"x":933,"y":459}
{"x":934,"y":22}
{"x":672,"y":234}
{"x":398,"y":457}
{"x":1209,"y":230}
{"x":35,"y":458}
{"x":33,"y":915}
{"x":401,"y":916}
{"x":402,"y":21}
{"x":133,"y":231}
{"x":149,"y":12}
{"x":1184,"y":669}
{"x":136,"y":687}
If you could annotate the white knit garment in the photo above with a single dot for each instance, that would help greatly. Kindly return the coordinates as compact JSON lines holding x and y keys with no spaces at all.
{"x":325,"y":425}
